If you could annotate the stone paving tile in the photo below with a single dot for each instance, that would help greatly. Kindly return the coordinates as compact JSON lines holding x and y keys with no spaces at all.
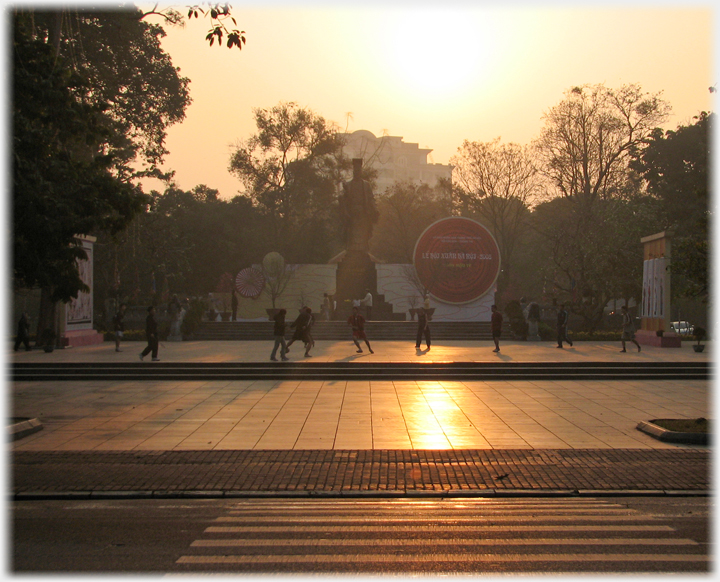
{"x":312,"y":419}
{"x":581,"y":414}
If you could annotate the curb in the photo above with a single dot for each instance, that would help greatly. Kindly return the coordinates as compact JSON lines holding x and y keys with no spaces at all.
{"x":24,"y":428}
{"x":672,"y":436}
{"x":529,"y":493}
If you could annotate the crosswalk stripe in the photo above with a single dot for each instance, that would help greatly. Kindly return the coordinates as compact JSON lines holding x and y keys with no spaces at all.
{"x":435,"y":505}
{"x":293,"y":534}
{"x":435,"y":501}
{"x":433,"y":528}
{"x":438,"y":521}
{"x":437,"y":558}
{"x":392,"y":543}
{"x":446,"y":512}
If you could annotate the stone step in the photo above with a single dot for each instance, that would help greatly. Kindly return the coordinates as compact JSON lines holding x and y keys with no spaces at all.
{"x":470,"y":371}
{"x":340,"y":330}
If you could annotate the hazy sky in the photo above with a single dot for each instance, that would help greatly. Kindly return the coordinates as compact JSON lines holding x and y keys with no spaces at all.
{"x":434,"y":73}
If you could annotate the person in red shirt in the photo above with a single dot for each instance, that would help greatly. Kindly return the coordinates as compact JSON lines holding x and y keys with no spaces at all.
{"x":496,"y":326}
{"x":357,"y":322}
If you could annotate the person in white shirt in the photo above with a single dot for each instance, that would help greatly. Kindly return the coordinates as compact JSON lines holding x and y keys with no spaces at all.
{"x":368,"y":301}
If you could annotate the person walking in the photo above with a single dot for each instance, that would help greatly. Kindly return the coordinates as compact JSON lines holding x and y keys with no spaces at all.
{"x":279,"y":334}
{"x":628,"y":329}
{"x":423,"y":329}
{"x":151,"y":332}
{"x":357,"y":323}
{"x":496,"y":320}
{"x":23,"y":332}
{"x":562,"y":321}
{"x":308,"y":338}
{"x":301,"y":326}
{"x":119,"y":326}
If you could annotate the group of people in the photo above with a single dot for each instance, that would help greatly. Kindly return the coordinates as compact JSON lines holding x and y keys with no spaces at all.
{"x":303,"y":332}
{"x":496,"y":320}
{"x":628,"y":328}
{"x":304,"y":322}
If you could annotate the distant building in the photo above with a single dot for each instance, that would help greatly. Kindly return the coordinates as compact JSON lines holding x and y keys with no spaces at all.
{"x":394,"y":159}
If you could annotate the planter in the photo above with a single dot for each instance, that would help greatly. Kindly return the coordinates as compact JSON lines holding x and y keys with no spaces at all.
{"x":699,"y":348}
{"x":48,"y":340}
{"x":650,"y":338}
{"x":671,"y":436}
{"x":22,"y":427}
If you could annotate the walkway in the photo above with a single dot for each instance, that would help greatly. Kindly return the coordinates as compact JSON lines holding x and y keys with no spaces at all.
{"x":122,"y":421}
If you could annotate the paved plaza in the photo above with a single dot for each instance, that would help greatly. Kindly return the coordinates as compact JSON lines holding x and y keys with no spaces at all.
{"x":355,"y":414}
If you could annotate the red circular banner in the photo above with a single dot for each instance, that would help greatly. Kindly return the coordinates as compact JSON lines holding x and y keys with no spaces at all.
{"x":457,"y":260}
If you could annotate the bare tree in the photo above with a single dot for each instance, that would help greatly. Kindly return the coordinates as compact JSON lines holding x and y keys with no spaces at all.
{"x":590,"y":229}
{"x":589,"y":138}
{"x":277,"y":276}
{"x":496,"y":183}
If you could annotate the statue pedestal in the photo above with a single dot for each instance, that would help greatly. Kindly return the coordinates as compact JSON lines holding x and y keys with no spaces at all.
{"x":355,"y":274}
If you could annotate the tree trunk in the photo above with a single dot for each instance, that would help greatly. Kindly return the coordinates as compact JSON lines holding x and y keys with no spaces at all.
{"x":55,"y":32}
{"x":46,"y":317}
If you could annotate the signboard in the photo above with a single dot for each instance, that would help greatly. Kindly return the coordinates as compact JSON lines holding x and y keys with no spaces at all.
{"x":457,"y":260}
{"x":653,"y":304}
{"x":79,"y":311}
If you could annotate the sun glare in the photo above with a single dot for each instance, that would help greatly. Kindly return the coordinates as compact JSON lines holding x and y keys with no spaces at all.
{"x":439,"y":52}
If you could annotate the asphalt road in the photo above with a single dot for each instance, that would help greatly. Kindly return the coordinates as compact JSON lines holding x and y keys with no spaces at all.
{"x":604,"y":535}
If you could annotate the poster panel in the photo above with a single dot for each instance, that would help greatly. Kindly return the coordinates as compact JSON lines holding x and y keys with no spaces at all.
{"x":79,"y":312}
{"x":659,"y":287}
{"x":646,"y":290}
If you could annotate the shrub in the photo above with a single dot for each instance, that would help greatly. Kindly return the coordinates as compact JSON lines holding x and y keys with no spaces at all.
{"x":595,"y":336}
{"x":546,"y":332}
{"x":131,"y":335}
{"x":518,"y":325}
{"x":193,"y":317}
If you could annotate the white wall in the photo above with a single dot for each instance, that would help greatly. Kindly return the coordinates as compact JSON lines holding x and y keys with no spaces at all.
{"x":398,"y":290}
{"x":307,"y":287}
